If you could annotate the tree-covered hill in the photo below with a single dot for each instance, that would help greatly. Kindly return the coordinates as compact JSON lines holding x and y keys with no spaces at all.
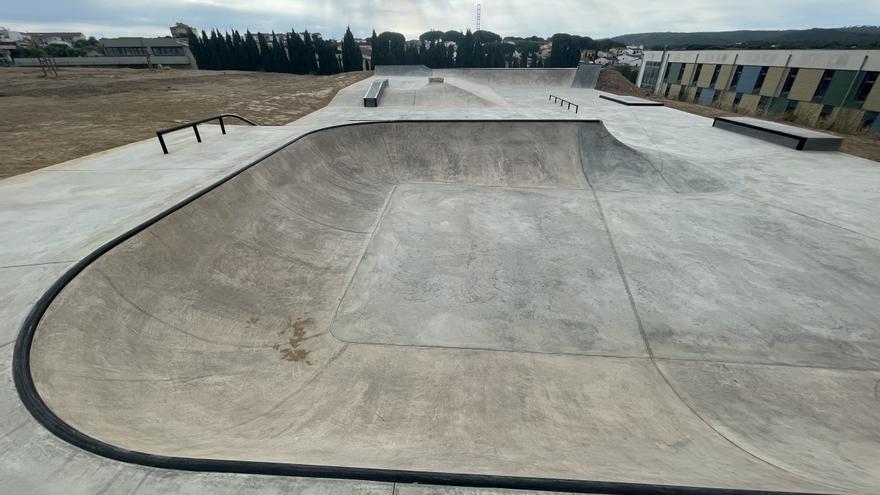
{"x":845,"y":37}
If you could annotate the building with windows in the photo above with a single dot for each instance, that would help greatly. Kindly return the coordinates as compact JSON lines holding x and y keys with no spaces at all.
{"x":835,"y":89}
{"x":67,"y":38}
{"x":129,"y":52}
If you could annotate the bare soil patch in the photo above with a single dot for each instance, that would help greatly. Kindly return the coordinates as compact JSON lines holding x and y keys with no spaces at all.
{"x":83,"y":111}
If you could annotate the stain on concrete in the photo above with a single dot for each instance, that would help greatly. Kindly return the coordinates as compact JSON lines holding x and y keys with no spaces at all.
{"x":292,"y":349}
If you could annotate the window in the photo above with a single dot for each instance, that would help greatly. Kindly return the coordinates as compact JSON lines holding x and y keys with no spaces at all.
{"x":822,"y":88}
{"x":763,"y":104}
{"x":166,"y":50}
{"x":649,"y":77}
{"x":715,"y":75}
{"x":789,"y":80}
{"x":760,"y":81}
{"x":736,"y":75}
{"x":737,"y":99}
{"x":791,"y":107}
{"x":697,"y":74}
{"x":697,"y":94}
{"x":866,"y":86}
{"x":868,"y":120}
{"x":680,"y":73}
{"x":826,"y":111}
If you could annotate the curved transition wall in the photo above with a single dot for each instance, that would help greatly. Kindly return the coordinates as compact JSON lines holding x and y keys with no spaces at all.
{"x":344,"y":301}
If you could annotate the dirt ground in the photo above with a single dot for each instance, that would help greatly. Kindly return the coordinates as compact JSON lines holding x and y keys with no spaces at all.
{"x":612,"y":81}
{"x":50,"y":120}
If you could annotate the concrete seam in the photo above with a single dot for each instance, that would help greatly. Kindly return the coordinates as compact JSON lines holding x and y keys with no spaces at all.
{"x":651,"y":352}
{"x":288,"y":208}
{"x":168,"y":324}
{"x":11,"y":432}
{"x":793,"y":212}
{"x":613,"y":356}
{"x":360,"y":261}
{"x":25,"y":265}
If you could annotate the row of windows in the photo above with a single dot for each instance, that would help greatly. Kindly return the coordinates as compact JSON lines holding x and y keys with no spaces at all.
{"x":751,"y":79}
{"x":130,"y":51}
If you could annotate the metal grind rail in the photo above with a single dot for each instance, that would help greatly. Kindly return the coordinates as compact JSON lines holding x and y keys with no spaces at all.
{"x":563,"y":102}
{"x":195,"y":125}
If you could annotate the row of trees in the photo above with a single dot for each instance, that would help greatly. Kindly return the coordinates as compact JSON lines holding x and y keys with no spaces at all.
{"x":446,"y":49}
{"x":310,"y":54}
{"x":287,"y":52}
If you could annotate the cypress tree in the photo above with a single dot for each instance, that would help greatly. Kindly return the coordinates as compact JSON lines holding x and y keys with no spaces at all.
{"x":465,"y":54}
{"x":279,"y":58}
{"x":253,"y":52}
{"x":206,"y":52}
{"x":266,"y":62}
{"x":375,"y":57}
{"x":298,"y":54}
{"x":195,"y":46}
{"x":351,"y":54}
{"x":309,"y":53}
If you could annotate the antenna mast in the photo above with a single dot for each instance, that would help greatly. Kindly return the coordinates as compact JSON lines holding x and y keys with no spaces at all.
{"x":479,"y":8}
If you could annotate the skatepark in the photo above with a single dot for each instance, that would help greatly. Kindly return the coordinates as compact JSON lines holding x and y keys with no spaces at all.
{"x":469,"y":286}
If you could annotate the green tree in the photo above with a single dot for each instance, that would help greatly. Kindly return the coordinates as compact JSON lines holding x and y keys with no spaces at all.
{"x":252,"y":60}
{"x":465,"y":52}
{"x":279,"y":57}
{"x":351,"y":53}
{"x":297,"y":49}
{"x":431,"y":36}
{"x":309,"y":53}
{"x":326,"y":51}
{"x":267,"y":63}
{"x":453,"y":36}
{"x":483,"y":37}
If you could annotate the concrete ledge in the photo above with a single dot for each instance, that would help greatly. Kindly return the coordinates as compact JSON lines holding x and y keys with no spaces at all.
{"x":631,"y":101}
{"x":782,"y":134}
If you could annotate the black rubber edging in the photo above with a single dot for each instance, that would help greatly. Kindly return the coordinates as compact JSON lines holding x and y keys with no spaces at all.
{"x":27,"y":391}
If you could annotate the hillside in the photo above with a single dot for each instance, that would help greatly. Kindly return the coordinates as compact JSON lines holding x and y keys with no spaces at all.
{"x":845,"y":37}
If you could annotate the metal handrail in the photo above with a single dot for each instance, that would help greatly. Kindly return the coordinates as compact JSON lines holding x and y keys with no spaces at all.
{"x":194,"y":124}
{"x":562,"y":102}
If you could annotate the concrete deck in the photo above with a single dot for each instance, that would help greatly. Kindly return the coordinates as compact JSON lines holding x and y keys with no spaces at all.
{"x":589,"y":297}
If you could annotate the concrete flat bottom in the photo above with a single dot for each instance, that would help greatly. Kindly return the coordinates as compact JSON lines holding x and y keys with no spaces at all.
{"x":491,"y":268}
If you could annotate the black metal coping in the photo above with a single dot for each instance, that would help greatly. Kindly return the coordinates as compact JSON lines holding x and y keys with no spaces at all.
{"x":791,"y":139}
{"x":33,"y":402}
{"x":632,"y":101}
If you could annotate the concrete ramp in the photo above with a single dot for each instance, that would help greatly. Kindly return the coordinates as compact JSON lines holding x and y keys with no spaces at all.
{"x":486,"y":301}
{"x":586,"y":76}
{"x":402,"y":71}
{"x":561,"y":78}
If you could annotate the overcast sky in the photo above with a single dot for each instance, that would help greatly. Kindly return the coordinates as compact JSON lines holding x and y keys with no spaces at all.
{"x":594,"y":18}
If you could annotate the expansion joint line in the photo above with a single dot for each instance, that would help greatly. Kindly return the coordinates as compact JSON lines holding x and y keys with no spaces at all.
{"x":647,"y":344}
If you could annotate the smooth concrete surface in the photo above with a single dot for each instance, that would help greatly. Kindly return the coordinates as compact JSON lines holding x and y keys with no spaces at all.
{"x":238,"y":327}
